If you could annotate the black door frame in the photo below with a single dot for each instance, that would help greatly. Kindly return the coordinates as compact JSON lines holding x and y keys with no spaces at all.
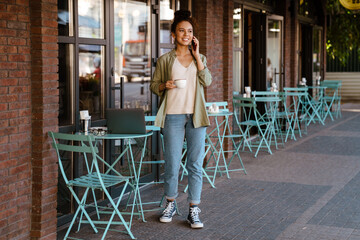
{"x":258,"y":50}
{"x":155,"y":35}
{"x":306,"y":53}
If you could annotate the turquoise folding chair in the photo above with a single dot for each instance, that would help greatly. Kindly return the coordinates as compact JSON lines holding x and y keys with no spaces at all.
{"x":67,"y":145}
{"x":266,"y":119}
{"x":332,"y":98}
{"x":271,"y":109}
{"x":245,"y":119}
{"x":248,"y":117}
{"x":294,"y":97}
{"x":315,"y":104}
{"x":217,"y":148}
{"x":286,"y":118}
{"x":235,"y":139}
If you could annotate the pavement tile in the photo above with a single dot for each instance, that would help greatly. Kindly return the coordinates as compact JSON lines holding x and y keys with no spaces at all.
{"x":308,"y":189}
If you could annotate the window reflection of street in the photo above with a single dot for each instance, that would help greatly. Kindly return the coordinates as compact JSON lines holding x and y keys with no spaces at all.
{"x":136,"y":93}
{"x":132,"y":53}
{"x":90,"y":80}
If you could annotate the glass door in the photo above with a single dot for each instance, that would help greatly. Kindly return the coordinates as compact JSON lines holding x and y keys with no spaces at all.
{"x":274,"y":52}
{"x":130,"y":70}
{"x":254,"y":50}
{"x":317,"y":55}
{"x":132,"y":55}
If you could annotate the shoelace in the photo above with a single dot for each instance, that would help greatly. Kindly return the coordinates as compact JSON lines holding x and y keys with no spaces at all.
{"x":194,"y":214}
{"x":169,"y":208}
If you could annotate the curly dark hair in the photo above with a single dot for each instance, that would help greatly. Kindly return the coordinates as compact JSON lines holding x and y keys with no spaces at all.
{"x":182,"y":15}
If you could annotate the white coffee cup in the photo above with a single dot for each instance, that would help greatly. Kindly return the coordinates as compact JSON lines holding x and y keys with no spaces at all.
{"x":180,"y":83}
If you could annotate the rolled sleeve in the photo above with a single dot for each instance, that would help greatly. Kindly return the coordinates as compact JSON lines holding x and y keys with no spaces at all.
{"x":156,"y":80}
{"x":204,"y":75}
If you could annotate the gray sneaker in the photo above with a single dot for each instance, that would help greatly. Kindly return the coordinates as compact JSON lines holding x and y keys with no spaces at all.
{"x":169,"y":212}
{"x":193,"y":217}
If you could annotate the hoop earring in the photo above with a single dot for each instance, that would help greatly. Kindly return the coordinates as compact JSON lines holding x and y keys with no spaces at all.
{"x":172,"y":40}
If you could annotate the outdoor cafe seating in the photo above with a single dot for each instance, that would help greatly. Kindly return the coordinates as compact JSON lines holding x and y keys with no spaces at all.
{"x":92,"y":179}
{"x":260,"y":121}
{"x":216,"y":138}
{"x":263,"y":122}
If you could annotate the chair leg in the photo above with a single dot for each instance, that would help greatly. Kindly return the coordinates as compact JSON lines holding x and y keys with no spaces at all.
{"x":236,"y":152}
{"x":263,"y":139}
{"x":80,"y":207}
{"x":116,"y":211}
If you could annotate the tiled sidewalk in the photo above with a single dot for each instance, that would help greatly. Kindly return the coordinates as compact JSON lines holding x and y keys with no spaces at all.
{"x":308,"y":190}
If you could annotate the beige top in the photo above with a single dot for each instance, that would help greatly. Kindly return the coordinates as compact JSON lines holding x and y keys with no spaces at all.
{"x":182,"y":100}
{"x":163,"y":73}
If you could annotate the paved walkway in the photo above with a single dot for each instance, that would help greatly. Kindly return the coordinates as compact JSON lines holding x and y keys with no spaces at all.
{"x":308,"y":190}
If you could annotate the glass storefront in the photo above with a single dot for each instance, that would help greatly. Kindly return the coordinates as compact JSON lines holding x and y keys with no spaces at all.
{"x":91,"y":18}
{"x":91,"y":79}
{"x":105,"y":61}
{"x":132,"y":56}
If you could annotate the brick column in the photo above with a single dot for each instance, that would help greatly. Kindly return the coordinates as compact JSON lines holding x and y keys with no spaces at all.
{"x":44,"y":112}
{"x":228,"y":9}
{"x":228,"y":52}
{"x":214,"y":20}
{"x":288,"y":9}
{"x":15,"y":120}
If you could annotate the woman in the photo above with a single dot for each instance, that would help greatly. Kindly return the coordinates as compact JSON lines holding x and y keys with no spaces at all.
{"x":182,"y":113}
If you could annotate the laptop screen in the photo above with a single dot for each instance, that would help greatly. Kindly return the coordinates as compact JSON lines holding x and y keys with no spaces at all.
{"x":126,"y":121}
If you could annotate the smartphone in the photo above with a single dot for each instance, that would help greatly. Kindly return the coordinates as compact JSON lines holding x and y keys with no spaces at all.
{"x":193,"y":45}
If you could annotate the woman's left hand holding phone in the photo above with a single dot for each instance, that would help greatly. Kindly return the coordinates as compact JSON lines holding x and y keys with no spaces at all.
{"x":195,"y":47}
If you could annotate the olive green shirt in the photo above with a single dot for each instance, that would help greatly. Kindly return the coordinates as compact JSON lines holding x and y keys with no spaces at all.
{"x":163,"y":73}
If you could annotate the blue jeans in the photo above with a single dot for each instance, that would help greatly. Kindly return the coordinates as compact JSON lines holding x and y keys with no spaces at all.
{"x":178,"y":126}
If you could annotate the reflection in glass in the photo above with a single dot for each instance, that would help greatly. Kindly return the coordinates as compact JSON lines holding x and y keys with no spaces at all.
{"x":66,"y":84}
{"x":132,"y":53}
{"x":316,"y":55}
{"x":237,"y":48}
{"x":273,"y":62}
{"x":91,"y":79}
{"x":65,"y":18}
{"x":166,"y":17}
{"x":132,"y":38}
{"x":91,"y":18}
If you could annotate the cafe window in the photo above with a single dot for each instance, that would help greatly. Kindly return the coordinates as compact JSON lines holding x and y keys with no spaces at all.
{"x":81,"y":59}
{"x":82,"y":48}
{"x":91,"y":59}
{"x":91,"y":18}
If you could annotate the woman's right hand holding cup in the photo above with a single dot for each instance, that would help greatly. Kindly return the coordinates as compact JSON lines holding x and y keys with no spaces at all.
{"x":170,"y":84}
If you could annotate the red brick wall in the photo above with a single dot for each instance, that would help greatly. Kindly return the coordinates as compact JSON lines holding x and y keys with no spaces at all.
{"x":15,"y":120}
{"x":28,"y":104}
{"x":209,"y":15}
{"x":214,"y":19}
{"x":44,"y":94}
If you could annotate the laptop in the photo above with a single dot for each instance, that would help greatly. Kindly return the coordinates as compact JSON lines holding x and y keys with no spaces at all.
{"x":126,"y":121}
